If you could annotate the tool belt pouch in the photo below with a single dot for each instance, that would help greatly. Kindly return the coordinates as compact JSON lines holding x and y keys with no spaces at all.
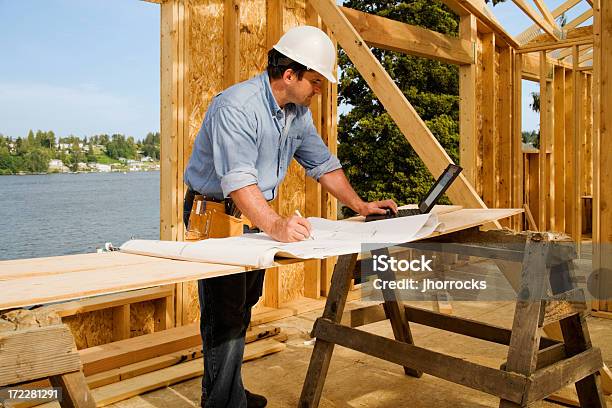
{"x":208,"y":220}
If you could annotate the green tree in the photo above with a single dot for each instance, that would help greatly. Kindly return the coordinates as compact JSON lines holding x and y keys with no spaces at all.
{"x":36,"y":161}
{"x":119,"y":146}
{"x":378,"y":160}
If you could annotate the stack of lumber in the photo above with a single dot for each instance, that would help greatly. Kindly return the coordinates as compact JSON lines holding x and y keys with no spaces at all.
{"x":126,"y":368}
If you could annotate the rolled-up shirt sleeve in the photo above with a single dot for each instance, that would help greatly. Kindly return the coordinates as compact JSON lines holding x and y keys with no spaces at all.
{"x":313,"y":155}
{"x":234,"y":143}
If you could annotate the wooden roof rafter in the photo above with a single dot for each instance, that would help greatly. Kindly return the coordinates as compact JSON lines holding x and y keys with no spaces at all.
{"x":533,"y":31}
{"x":551,"y":29}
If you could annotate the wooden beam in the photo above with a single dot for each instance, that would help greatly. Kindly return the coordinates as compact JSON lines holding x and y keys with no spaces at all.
{"x":504,"y":120}
{"x":405,"y":116}
{"x":553,"y":45}
{"x":533,"y":15}
{"x":544,"y":191}
{"x":480,"y":10}
{"x":396,"y":36}
{"x":579,"y":20}
{"x":467,"y":104}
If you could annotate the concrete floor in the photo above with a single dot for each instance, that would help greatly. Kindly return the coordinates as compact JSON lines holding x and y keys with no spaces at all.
{"x":358,"y":380}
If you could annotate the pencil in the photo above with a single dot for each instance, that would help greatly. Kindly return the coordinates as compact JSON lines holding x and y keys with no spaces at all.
{"x":297,"y":212}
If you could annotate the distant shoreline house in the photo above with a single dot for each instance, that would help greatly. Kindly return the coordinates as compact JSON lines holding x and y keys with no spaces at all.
{"x":57,"y":166}
{"x":106,"y":168}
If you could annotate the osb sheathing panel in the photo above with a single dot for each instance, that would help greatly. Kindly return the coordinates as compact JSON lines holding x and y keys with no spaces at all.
{"x":91,"y":329}
{"x":141,"y":318}
{"x":253,"y":52}
{"x":205,"y":61}
{"x":292,"y":190}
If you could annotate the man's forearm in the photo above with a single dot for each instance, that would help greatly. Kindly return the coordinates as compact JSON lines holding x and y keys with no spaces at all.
{"x":338,"y":185}
{"x":253,"y":204}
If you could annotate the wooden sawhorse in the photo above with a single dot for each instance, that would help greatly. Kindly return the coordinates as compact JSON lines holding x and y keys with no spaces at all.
{"x":536,"y":366}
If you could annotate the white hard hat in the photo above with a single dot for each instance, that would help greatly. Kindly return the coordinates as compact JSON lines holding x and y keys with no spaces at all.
{"x":310,"y":47}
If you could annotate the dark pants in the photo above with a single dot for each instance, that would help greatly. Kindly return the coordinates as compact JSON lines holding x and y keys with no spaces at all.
{"x":225,"y":313}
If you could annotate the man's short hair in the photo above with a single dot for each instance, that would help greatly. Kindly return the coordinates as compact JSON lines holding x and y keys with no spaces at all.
{"x":278,"y":63}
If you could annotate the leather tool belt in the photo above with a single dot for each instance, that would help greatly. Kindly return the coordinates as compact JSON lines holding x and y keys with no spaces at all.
{"x":211,"y":218}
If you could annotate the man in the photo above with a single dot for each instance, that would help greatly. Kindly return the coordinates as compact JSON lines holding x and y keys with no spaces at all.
{"x":250,"y":133}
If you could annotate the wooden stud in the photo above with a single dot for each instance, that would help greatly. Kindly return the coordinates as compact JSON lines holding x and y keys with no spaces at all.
{"x":517,"y":144}
{"x":544,"y":137}
{"x":559,"y":149}
{"x":505,"y":135}
{"x":576,"y":194}
{"x":602,"y":158}
{"x":489,"y":125}
{"x":231,"y":42}
{"x":412,"y":126}
{"x":274,"y":30}
{"x":569,"y":151}
{"x":312,"y":268}
{"x":121,"y":322}
{"x":467,"y":103}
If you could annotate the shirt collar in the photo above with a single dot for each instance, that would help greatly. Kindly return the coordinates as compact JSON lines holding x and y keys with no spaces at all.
{"x":272,"y":104}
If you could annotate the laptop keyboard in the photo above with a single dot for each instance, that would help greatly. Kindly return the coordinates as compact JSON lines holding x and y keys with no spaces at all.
{"x":403,"y":212}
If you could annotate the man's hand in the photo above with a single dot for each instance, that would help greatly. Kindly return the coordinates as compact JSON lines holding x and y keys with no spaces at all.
{"x":290,"y":229}
{"x":377,"y":207}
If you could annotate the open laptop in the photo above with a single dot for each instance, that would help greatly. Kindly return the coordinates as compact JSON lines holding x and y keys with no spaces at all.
{"x":431,"y":198}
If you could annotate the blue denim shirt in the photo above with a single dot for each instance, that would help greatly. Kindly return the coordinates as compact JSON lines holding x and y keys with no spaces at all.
{"x":246,"y":138}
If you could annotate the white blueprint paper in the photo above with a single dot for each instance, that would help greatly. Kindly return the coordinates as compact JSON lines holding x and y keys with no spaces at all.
{"x":258,"y":250}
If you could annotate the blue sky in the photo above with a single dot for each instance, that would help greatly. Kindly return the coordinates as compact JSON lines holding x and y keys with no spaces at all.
{"x":84,"y":67}
{"x":79,"y":67}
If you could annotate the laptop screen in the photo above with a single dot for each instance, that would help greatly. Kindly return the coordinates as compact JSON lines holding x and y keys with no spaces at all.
{"x":435,"y":192}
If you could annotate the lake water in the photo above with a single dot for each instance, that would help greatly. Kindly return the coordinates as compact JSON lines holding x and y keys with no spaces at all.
{"x":61,"y":214}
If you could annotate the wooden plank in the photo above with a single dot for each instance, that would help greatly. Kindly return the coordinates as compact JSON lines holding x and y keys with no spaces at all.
{"x":396,"y":36}
{"x":504,"y":384}
{"x":37,"y":353}
{"x":103,"y":280}
{"x":536,"y":18}
{"x":565,"y":372}
{"x":559,"y":148}
{"x":467,"y":103}
{"x":122,"y":390}
{"x":112,"y":355}
{"x":231,"y":42}
{"x":167,"y":360}
{"x":412,"y":126}
{"x":489,"y":124}
{"x":579,"y":20}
